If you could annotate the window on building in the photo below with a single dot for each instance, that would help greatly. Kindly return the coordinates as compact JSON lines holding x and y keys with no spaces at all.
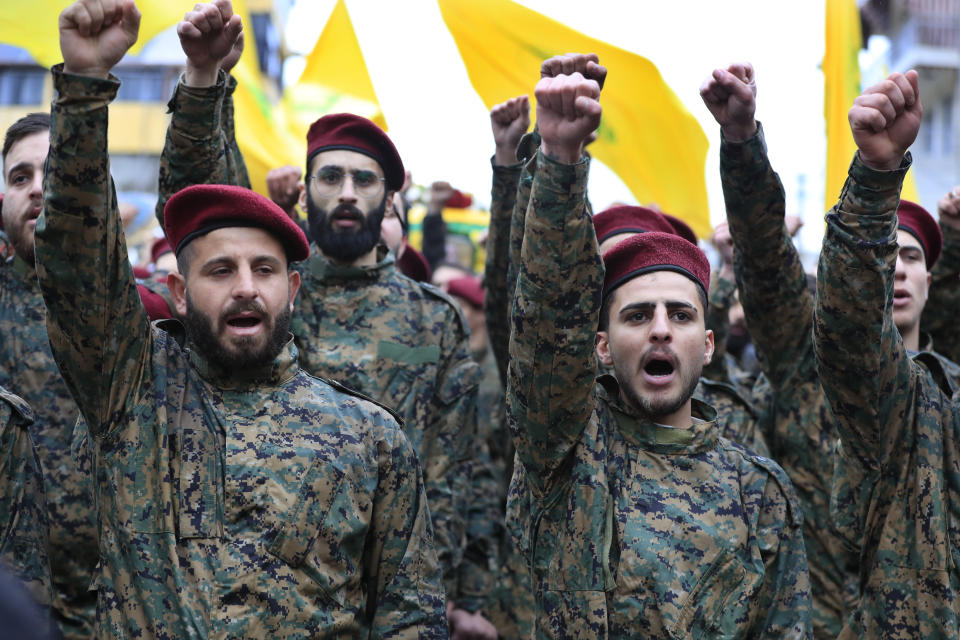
{"x":143,"y":84}
{"x":22,"y":85}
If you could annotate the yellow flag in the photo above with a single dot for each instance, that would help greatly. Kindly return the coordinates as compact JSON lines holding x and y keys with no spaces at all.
{"x":841,"y":74}
{"x":34,"y":25}
{"x":261,"y":135}
{"x":647,"y":137}
{"x":334,"y":80}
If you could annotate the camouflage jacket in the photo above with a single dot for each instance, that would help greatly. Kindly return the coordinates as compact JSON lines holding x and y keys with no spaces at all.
{"x":800,"y":432}
{"x":27,"y":368}
{"x":23,"y":513}
{"x":898,"y":420}
{"x":941,"y":315}
{"x":637,"y":530}
{"x":263,"y":504}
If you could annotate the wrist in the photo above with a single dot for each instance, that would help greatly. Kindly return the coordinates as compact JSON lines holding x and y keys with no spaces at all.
{"x":739,"y":132}
{"x":882,"y":164}
{"x":92,"y":72}
{"x":504,"y":157}
{"x":560,"y":153}
{"x":194,"y":76}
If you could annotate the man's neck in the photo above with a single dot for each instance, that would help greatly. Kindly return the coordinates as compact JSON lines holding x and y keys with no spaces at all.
{"x":911,"y":338}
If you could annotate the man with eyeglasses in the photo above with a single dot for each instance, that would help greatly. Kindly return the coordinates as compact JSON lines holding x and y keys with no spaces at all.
{"x":357,"y":319}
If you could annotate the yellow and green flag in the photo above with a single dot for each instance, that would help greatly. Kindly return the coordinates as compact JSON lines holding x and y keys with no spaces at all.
{"x":647,"y":137}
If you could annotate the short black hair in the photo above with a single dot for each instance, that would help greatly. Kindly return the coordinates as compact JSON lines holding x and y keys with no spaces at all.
{"x":608,"y":302}
{"x":25,"y":126}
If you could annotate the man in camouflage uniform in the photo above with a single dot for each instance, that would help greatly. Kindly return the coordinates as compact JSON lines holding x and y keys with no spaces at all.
{"x":27,"y":368}
{"x":238,"y":495}
{"x":896,"y":412}
{"x":779,"y":309}
{"x":23,"y":512}
{"x":645,"y":522}
{"x":357,"y":320}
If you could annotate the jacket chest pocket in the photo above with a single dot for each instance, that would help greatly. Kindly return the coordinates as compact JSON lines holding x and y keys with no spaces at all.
{"x":199,"y":490}
{"x":320,"y":535}
{"x":404,"y":374}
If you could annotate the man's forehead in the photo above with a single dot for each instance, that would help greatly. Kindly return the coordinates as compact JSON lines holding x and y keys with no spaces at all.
{"x":236,"y":242}
{"x":658,"y":287}
{"x":346,"y":159}
{"x":906,"y":239}
{"x":31,"y":149}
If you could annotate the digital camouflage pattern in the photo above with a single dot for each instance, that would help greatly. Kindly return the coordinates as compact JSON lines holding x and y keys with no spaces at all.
{"x":799,"y":430}
{"x":27,"y":368}
{"x":899,"y":423}
{"x":23,"y":512}
{"x":400,"y":342}
{"x":941,"y":315}
{"x":610,"y":492}
{"x":270,"y":504}
{"x":513,"y":606}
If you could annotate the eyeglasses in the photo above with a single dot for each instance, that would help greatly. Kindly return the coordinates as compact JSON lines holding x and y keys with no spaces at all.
{"x":329,"y":182}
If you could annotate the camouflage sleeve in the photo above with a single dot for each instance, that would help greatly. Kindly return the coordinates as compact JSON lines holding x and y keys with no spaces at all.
{"x":477,"y":574}
{"x":770,"y":276}
{"x":196,"y":148}
{"x":23,"y":513}
{"x":718,"y":321}
{"x":784,"y":597}
{"x":940,"y":314}
{"x":449,"y":460}
{"x":554,"y":323}
{"x":97,"y":326}
{"x":866,"y":374}
{"x":236,"y":165}
{"x":503,"y":195}
{"x":403,"y":573}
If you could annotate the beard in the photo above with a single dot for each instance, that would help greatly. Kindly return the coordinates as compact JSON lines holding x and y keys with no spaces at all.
{"x":653,"y":408}
{"x":243,"y":353}
{"x":347,"y":245}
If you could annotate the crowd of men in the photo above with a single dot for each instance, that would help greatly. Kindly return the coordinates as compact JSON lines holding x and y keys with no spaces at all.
{"x":288,"y":433}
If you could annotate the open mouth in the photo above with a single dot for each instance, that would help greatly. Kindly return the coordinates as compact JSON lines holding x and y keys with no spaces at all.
{"x":244,"y":323}
{"x":658,"y":367}
{"x":900,"y":297}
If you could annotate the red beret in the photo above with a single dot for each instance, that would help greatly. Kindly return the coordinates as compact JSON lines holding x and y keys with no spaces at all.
{"x":627,"y":219}
{"x":160,"y":246}
{"x":459,"y":200}
{"x":156,"y":306}
{"x":468,"y":288}
{"x":916,"y":221}
{"x":681,"y":228}
{"x":413,"y":264}
{"x":197,"y":210}
{"x":654,"y":251}
{"x":353,"y":133}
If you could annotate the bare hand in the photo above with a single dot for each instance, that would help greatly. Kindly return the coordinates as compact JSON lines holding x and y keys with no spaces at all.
{"x":208,"y":35}
{"x":470,"y":626}
{"x":440,"y":192}
{"x":586,"y":64}
{"x":948,"y":208}
{"x":723,"y":241}
{"x":95,"y":35}
{"x":731,"y":97}
{"x":283,"y":187}
{"x":793,"y":223}
{"x":885,"y":120}
{"x":509,"y":121}
{"x":568,"y":111}
{"x":233,"y":57}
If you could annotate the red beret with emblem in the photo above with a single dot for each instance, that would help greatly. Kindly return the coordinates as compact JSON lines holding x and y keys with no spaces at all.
{"x":199,"y":209}
{"x":654,"y":251}
{"x":354,"y":133}
{"x":627,"y":219}
{"x":918,"y":222}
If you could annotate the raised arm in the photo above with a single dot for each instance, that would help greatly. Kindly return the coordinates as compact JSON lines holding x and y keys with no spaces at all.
{"x":555,"y":312}
{"x":509,"y":122}
{"x":770,"y":277}
{"x":98,"y":329}
{"x":200,"y":148}
{"x":943,"y":305}
{"x":866,"y":374}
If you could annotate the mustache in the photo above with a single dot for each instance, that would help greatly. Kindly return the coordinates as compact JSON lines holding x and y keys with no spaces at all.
{"x":242,"y":306}
{"x":345,"y":209}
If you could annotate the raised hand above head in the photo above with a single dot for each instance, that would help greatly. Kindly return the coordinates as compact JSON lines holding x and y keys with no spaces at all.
{"x":509,"y":121}
{"x":731,"y":97}
{"x":568,"y":111}
{"x":95,"y":35}
{"x":885,"y":120}
{"x":209,"y":36}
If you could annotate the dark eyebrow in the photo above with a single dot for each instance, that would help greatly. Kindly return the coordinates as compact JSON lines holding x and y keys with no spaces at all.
{"x":672,"y":305}
{"x":20,"y":166}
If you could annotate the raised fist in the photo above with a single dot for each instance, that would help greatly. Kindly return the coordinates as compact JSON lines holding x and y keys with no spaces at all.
{"x":95,"y":35}
{"x":586,"y":64}
{"x":509,"y":121}
{"x":233,"y":57}
{"x":731,"y":97}
{"x":283,"y":187}
{"x":948,"y":208}
{"x":568,"y":111}
{"x":209,"y":35}
{"x":885,"y":120}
